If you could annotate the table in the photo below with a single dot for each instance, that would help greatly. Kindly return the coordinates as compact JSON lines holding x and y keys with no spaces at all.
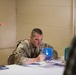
{"x":22,"y":70}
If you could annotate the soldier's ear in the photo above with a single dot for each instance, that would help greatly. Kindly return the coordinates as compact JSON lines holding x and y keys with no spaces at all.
{"x":31,"y":37}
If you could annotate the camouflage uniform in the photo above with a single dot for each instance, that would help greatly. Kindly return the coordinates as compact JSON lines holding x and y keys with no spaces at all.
{"x":26,"y":50}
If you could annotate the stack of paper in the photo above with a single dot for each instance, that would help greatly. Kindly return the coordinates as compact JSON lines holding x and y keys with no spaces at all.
{"x":32,"y":65}
{"x":44,"y":64}
{"x":58,"y":62}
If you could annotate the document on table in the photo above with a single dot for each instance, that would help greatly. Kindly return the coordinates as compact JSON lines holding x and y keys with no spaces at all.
{"x":40,"y":64}
{"x":44,"y":64}
{"x":33,"y":65}
{"x":58,"y":62}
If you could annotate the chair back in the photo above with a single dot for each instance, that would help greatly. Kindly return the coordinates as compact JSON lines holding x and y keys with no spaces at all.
{"x":11,"y":59}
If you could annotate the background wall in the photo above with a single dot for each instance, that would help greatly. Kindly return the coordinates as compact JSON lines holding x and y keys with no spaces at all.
{"x":74,"y":16}
{"x":19,"y":17}
{"x":54,"y":17}
{"x":7,"y":29}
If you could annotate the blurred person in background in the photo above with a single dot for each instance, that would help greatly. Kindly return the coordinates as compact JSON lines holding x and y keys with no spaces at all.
{"x":70,"y":68}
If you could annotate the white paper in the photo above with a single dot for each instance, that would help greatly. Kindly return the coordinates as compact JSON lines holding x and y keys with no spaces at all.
{"x":56,"y":61}
{"x":33,"y":65}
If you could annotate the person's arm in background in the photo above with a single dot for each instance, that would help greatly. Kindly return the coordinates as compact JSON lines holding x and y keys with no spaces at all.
{"x":55,"y":54}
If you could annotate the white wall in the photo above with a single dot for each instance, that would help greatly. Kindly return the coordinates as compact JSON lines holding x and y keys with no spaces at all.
{"x":7,"y":29}
{"x":54,"y":17}
{"x":8,"y":23}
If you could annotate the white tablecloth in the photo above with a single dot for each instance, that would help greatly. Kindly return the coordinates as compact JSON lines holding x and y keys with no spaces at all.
{"x":22,"y":70}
